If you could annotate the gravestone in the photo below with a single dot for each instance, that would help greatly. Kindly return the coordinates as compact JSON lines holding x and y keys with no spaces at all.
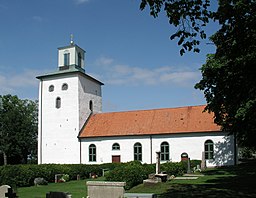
{"x":58,"y":195}
{"x":157,"y":162}
{"x":7,"y":192}
{"x":203,"y":162}
{"x":140,"y":195}
{"x":99,"y":189}
{"x":3,"y":190}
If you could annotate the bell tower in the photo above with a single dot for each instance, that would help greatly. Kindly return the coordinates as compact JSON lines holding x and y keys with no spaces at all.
{"x":67,"y":97}
{"x":71,"y":56}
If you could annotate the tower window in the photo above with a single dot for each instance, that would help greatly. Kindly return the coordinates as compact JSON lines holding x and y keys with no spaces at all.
{"x":66,"y":59}
{"x":58,"y":103}
{"x":79,"y":60}
{"x":64,"y":86}
{"x":91,"y":105}
{"x":51,"y":88}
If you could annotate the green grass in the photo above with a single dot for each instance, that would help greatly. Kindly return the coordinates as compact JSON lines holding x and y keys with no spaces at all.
{"x":224,"y":182}
{"x":78,"y":189}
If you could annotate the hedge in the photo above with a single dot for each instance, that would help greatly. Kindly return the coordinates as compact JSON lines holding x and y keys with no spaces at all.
{"x":24,"y":175}
{"x":133,"y":173}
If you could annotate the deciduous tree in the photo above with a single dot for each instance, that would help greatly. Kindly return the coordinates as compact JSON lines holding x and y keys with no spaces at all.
{"x":18,"y":129}
{"x":228,"y":76}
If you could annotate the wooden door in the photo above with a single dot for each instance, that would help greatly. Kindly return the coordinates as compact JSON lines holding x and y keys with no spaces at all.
{"x":116,"y":159}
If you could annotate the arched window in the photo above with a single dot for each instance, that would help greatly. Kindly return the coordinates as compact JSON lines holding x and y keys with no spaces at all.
{"x":92,"y":153}
{"x":58,"y":102}
{"x":208,"y":149}
{"x":115,"y":146}
{"x":137,"y":148}
{"x":79,"y":60}
{"x":91,"y":105}
{"x":51,"y":88}
{"x":64,"y":86}
{"x":164,"y":151}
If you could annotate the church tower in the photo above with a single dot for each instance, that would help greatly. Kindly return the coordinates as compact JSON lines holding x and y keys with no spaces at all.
{"x":67,"y":97}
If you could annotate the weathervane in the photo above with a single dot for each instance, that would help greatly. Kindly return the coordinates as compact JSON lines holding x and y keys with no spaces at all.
{"x":71,"y":39}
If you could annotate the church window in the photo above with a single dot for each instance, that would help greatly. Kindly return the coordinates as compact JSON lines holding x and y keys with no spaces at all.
{"x":92,"y":153}
{"x":137,"y":148}
{"x":66,"y":59}
{"x":58,"y":102}
{"x":208,"y":149}
{"x":79,"y":60}
{"x":64,"y":86}
{"x":164,"y":151}
{"x":51,"y":88}
{"x":115,"y":146}
{"x":91,"y":105}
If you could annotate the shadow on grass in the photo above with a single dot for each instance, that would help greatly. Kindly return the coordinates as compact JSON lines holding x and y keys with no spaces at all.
{"x":237,"y":181}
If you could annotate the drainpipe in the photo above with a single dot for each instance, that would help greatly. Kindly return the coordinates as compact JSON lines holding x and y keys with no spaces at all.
{"x":80,"y":150}
{"x":150,"y":149}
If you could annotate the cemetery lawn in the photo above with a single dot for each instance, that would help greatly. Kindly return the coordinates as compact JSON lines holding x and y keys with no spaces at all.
{"x":224,"y":182}
{"x":78,"y":189}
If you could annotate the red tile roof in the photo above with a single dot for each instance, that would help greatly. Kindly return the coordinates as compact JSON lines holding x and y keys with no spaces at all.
{"x":150,"y":122}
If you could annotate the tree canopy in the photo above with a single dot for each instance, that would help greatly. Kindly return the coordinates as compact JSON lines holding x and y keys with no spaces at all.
{"x":18,"y":129}
{"x":228,"y":76}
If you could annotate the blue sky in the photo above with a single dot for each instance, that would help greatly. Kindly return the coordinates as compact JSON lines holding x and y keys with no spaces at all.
{"x":127,"y":49}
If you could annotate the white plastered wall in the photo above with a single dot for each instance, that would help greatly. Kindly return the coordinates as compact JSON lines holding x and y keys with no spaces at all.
{"x":59,"y":126}
{"x":192,"y":143}
{"x":88,"y":91}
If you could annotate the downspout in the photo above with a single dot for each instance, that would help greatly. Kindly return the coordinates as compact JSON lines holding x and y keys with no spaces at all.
{"x":150,"y":148}
{"x":80,"y":150}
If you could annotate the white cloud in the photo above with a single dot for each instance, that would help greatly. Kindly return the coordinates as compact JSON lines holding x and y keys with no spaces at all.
{"x":118,"y":74}
{"x":37,"y":18}
{"x":81,"y":1}
{"x":103,"y":61}
{"x":14,"y":82}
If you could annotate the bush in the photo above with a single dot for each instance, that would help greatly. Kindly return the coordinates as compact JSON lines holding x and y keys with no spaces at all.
{"x":133,"y":173}
{"x":173,"y":168}
{"x":193,"y":164}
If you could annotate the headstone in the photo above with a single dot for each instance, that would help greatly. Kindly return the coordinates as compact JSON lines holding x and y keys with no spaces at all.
{"x":10,"y":193}
{"x":99,"y":189}
{"x":40,"y":181}
{"x":189,"y":168}
{"x":7,"y":192}
{"x":203,"y":163}
{"x":140,"y":195}
{"x":157,"y":162}
{"x":58,"y":195}
{"x":3,"y":190}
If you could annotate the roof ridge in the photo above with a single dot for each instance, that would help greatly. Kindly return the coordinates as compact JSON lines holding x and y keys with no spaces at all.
{"x":143,"y":110}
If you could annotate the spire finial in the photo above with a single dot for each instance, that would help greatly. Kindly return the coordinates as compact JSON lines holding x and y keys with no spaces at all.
{"x":71,"y":39}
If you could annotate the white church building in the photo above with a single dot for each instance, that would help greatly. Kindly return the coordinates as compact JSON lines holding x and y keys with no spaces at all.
{"x":72,"y":128}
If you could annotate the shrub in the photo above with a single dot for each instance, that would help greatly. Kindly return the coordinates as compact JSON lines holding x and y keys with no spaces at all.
{"x":173,"y":168}
{"x":133,"y":173}
{"x":193,"y":164}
